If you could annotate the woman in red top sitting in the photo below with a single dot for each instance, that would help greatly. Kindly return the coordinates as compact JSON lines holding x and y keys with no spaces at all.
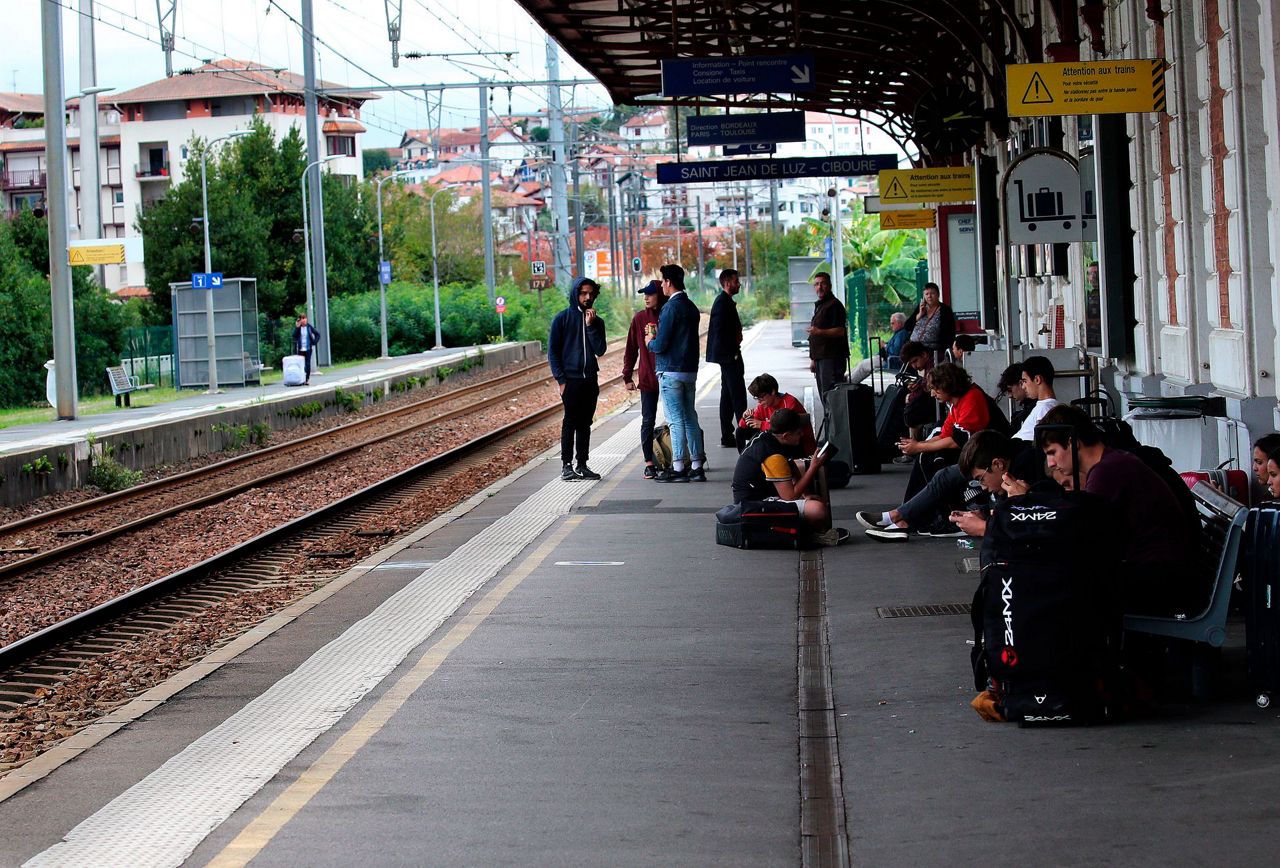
{"x":969,"y":411}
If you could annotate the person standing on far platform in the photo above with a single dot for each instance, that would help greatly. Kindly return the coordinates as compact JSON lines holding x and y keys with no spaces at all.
{"x":637,"y":359}
{"x":675,"y":343}
{"x":724,"y":348}
{"x":575,"y":342}
{"x":828,"y":337}
{"x":305,"y":338}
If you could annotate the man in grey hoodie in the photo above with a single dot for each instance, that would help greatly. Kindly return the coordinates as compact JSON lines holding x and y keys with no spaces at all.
{"x":575,"y":342}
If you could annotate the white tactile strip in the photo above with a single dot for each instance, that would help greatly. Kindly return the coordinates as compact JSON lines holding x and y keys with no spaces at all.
{"x":165,"y":816}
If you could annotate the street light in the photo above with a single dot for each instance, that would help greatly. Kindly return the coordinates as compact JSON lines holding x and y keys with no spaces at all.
{"x":382,"y":286}
{"x":435,"y":268}
{"x":208,"y":264}
{"x":306,"y":233}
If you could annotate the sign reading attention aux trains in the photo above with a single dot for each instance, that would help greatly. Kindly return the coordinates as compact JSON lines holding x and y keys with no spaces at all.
{"x":1100,"y":87}
{"x":898,"y":187}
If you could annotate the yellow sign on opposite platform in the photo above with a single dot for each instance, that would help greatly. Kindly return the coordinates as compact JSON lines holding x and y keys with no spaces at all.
{"x":923,"y":218}
{"x":900,"y":186}
{"x":96,"y":254}
{"x":1100,"y":87}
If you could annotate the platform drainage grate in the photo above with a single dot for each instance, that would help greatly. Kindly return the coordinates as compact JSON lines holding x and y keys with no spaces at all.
{"x":922,"y":611}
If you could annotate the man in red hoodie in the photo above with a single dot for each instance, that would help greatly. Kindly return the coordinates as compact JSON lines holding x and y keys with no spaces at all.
{"x":646,"y":372}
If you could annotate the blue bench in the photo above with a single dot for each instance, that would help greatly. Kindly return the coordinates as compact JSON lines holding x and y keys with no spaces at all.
{"x":1222,"y":527}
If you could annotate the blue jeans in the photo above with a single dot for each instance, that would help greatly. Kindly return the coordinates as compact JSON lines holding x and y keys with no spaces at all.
{"x":682,"y":416}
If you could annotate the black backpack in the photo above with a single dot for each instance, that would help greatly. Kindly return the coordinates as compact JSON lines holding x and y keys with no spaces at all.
{"x":1046,"y":615}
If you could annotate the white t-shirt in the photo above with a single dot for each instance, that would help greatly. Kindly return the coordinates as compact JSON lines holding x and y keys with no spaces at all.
{"x":1028,"y":430}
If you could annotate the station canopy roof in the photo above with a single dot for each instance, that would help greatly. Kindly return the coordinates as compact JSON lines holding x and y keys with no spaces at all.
{"x":923,"y":66}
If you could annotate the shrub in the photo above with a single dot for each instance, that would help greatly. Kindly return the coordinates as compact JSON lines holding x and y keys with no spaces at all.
{"x":110,"y":475}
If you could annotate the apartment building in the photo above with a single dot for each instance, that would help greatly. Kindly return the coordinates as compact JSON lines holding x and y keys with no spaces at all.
{"x":144,"y":135}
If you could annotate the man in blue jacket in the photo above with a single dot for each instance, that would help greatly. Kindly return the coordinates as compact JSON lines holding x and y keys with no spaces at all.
{"x":674,"y":344}
{"x":576,"y":340}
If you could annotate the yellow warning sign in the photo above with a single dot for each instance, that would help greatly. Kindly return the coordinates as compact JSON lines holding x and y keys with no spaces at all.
{"x":96,"y":254}
{"x":1091,"y":88}
{"x":902,"y":186}
{"x":923,"y":218}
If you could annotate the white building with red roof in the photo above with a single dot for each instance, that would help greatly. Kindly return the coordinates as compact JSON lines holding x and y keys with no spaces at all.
{"x":144,"y":134}
{"x":649,"y":130}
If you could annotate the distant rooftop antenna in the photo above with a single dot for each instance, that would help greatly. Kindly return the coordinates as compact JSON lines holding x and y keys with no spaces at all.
{"x":166,"y":32}
{"x":393,"y":28}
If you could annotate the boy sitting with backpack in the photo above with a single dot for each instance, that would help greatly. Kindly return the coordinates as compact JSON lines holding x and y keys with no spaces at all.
{"x":765,"y":471}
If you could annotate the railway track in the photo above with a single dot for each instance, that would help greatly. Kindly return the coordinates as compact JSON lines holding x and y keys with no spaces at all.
{"x":40,"y":660}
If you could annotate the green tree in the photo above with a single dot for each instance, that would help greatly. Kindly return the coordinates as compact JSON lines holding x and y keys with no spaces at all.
{"x":406,"y":220}
{"x":377,"y":160}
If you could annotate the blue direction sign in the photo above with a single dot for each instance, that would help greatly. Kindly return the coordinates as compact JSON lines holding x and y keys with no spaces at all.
{"x":384,"y":271}
{"x":745,"y":129}
{"x":709,"y":76}
{"x":722,"y":171}
{"x":206,"y":280}
{"x":750,"y":150}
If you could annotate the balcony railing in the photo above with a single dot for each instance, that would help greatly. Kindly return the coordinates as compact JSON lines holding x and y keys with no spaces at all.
{"x":22,"y":179}
{"x":147,"y":171}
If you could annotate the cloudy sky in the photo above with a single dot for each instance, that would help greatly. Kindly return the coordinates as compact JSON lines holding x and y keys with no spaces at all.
{"x":355,"y":50}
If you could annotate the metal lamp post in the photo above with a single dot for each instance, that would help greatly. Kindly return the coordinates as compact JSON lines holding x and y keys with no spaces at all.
{"x":382,"y":287}
{"x":435,"y":268}
{"x":208,"y":257}
{"x":306,"y":233}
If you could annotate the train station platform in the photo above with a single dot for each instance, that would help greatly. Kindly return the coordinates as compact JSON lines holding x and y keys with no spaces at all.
{"x":572,"y":673}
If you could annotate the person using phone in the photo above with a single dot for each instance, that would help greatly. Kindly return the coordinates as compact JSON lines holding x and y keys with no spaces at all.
{"x":933,"y":323}
{"x":640,"y":370}
{"x":764,"y":471}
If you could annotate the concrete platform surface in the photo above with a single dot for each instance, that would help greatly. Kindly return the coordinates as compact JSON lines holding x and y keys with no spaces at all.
{"x":622,"y":691}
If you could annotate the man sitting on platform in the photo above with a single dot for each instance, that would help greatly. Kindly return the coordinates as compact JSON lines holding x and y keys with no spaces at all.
{"x":766,"y":472}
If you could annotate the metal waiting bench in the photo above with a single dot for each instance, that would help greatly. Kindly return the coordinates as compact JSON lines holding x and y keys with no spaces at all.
{"x":1222,"y":528}
{"x":122,"y":385}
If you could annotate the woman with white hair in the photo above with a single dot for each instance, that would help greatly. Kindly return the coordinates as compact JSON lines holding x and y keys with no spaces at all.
{"x":888,"y":355}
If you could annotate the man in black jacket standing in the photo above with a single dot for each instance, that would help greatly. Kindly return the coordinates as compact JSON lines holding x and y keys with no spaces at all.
{"x":575,"y":342}
{"x":724,"y":347}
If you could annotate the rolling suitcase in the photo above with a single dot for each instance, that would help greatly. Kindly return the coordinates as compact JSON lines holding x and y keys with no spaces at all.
{"x":295,"y":371}
{"x":760,"y":524}
{"x":1262,"y":618}
{"x":1233,"y":483}
{"x":851,"y":426}
{"x":890,"y":425}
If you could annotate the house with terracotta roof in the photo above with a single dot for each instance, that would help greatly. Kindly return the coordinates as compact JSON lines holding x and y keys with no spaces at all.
{"x":427,"y":151}
{"x":649,"y":130}
{"x":144,"y":133}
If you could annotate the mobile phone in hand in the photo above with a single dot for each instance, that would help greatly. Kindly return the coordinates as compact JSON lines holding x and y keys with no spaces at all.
{"x":823,"y":449}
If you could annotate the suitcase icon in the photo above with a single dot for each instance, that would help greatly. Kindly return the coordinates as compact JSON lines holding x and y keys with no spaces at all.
{"x":1041,"y":205}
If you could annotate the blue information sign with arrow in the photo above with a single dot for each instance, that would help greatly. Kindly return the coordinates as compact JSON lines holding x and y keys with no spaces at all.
{"x":709,"y":76}
{"x":206,"y":280}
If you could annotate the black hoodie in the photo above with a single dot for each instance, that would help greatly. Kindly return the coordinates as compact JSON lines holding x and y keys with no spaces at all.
{"x":572,"y":347}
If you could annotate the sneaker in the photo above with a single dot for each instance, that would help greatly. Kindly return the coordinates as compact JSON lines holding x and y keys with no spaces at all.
{"x":584,"y":472}
{"x":698,"y":475}
{"x":650,"y":471}
{"x":889,"y":534}
{"x":672,"y":476}
{"x":903,"y":459}
{"x":942,"y":530}
{"x":567,"y":474}
{"x":728,"y":443}
{"x":833,"y":537}
{"x":869,"y":520}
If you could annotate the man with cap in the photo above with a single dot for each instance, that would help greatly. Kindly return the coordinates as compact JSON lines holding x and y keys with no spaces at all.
{"x":575,"y":342}
{"x":646,"y":371}
{"x":724,"y":347}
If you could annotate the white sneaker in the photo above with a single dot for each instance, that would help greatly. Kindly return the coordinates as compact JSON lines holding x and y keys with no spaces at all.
{"x":892,"y":533}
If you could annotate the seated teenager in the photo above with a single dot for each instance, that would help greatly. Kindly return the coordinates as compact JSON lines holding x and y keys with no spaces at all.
{"x":1273,"y":474}
{"x":1037,"y":385}
{"x":921,"y":411}
{"x":1157,"y":548}
{"x":985,"y":458}
{"x":968,"y":411}
{"x":961,"y":347}
{"x":1003,"y":467}
{"x":769,"y":399}
{"x":1010,"y":386}
{"x":765,"y":471}
{"x":1262,"y":448}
